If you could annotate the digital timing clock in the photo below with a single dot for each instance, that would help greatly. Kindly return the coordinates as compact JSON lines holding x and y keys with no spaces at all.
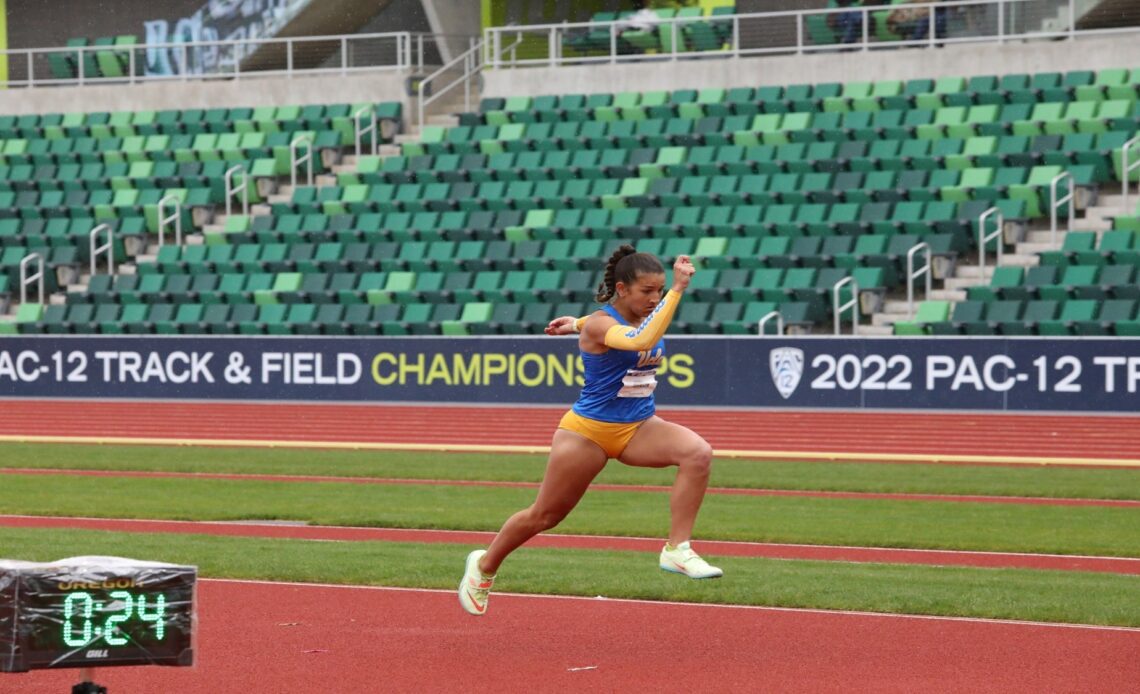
{"x":95,"y":612}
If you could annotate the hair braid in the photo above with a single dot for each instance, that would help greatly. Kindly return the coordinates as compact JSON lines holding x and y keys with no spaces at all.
{"x":607,"y":286}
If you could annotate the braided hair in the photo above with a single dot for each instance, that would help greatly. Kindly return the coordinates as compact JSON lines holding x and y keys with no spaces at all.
{"x":624,"y":266}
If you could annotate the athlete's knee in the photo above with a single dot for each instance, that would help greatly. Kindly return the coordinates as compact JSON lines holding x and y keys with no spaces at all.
{"x":543,"y":519}
{"x":697,"y":458}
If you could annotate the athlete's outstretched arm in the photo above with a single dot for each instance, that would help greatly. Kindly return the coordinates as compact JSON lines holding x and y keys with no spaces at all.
{"x":651,"y":330}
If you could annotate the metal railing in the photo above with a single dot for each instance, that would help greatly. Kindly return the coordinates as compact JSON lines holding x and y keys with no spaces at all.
{"x":164,"y":219}
{"x":1055,"y":204}
{"x":26,"y":279}
{"x":306,"y":158}
{"x":860,"y":28}
{"x":232,"y":190}
{"x":779,"y":318}
{"x":984,"y":238}
{"x":468,"y":64}
{"x":912,"y":275}
{"x":1127,"y":168}
{"x":107,"y":247}
{"x":852,"y":303}
{"x":224,"y":59}
{"x":360,"y":131}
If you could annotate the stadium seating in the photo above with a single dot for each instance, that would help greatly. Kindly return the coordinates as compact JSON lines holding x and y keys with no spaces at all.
{"x":497,"y":223}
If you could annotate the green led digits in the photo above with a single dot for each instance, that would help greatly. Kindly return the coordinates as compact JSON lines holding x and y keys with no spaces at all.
{"x":111,"y":629}
{"x":69,"y":612}
{"x":81,"y":628}
{"x":156,"y":616}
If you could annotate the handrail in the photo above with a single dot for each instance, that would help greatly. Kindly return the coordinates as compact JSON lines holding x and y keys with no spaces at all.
{"x":186,"y":58}
{"x":984,"y":238}
{"x":25,"y":280}
{"x":798,"y":42}
{"x":852,"y":304}
{"x":912,"y":275}
{"x":361,"y":132}
{"x":767,"y":317}
{"x":1126,"y":168}
{"x":164,"y":219}
{"x":295,"y":161}
{"x":1055,"y":204}
{"x":472,"y":65}
{"x":231,"y":191}
{"x":108,"y":247}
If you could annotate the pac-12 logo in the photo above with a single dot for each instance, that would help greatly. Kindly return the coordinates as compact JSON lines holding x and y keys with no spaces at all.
{"x":787,"y":366}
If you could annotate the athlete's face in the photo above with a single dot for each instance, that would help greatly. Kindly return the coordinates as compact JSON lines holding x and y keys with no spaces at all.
{"x":643,"y":294}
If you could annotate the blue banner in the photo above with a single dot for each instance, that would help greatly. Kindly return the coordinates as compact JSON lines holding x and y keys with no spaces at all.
{"x":1022,"y":374}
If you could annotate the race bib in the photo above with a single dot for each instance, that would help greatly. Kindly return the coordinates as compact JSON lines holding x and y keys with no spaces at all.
{"x":638,"y":383}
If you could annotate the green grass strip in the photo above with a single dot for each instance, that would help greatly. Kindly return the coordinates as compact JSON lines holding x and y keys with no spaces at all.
{"x":1049,"y":596}
{"x":870,"y":522}
{"x":1057,"y":482}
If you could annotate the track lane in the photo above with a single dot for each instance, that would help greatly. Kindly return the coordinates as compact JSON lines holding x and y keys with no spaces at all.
{"x":267,"y":637}
{"x":975,"y":437}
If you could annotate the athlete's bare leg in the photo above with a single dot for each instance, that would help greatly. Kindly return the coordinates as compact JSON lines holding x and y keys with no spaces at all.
{"x":658,"y":443}
{"x":574,"y":462}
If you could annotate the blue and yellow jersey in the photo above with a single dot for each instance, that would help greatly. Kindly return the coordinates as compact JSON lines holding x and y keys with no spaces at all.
{"x":619,"y":384}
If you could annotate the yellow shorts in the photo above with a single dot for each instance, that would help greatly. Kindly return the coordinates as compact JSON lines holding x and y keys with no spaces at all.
{"x":612,"y":437}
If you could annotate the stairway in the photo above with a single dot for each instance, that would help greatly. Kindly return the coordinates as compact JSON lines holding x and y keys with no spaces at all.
{"x":1097,"y":218}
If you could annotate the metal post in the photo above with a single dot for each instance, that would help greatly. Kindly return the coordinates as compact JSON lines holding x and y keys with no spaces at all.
{"x":82,"y":60}
{"x":1126,"y":168}
{"x":1055,"y":204}
{"x":343,"y":55}
{"x":108,"y":247}
{"x":736,"y":35}
{"x":361,"y":132}
{"x":31,"y":71}
{"x":185,"y":63}
{"x":912,"y":275}
{"x":420,"y":54}
{"x":551,"y":42}
{"x":496,"y":46}
{"x":673,"y":33}
{"x":984,"y":238}
{"x":1001,"y":21}
{"x":307,"y":159}
{"x":1072,"y":20}
{"x":231,"y":190}
{"x":613,"y":43}
{"x":164,"y":219}
{"x":767,"y":317}
{"x":853,"y":304}
{"x":25,"y":279}
{"x":131,"y":64}
{"x":289,"y":57}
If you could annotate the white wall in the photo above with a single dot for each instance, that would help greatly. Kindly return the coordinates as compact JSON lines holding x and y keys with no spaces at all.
{"x":251,"y":91}
{"x":960,"y":60}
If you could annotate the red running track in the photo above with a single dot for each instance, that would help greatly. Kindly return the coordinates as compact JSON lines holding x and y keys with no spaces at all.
{"x":268,"y":638}
{"x":944,"y":437}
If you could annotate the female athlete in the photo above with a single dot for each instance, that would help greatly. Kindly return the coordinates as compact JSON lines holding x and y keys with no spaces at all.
{"x":621,"y":346}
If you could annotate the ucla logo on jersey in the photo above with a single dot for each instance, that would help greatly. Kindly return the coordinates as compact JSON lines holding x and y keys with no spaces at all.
{"x":650,"y":358}
{"x":787,"y":366}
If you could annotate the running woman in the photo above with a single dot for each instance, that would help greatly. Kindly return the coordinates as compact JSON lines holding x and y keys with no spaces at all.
{"x":621,"y":346}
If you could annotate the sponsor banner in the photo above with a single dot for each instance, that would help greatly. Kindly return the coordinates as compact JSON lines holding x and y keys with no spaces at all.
{"x":1080,"y":375}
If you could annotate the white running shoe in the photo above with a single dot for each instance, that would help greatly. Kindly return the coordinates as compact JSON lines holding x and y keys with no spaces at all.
{"x":475,"y":588}
{"x":683,"y":560}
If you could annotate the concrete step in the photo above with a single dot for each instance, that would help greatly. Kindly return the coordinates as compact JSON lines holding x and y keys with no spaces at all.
{"x":1030,"y":248}
{"x":876,"y":330}
{"x":389,"y":150}
{"x":1093,"y":224}
{"x":970,"y":272}
{"x":1045,"y":236}
{"x":447,"y":120}
{"x":947,"y":295}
